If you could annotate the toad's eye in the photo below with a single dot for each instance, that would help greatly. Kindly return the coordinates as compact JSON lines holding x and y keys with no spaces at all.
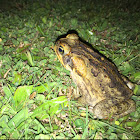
{"x":61,"y":49}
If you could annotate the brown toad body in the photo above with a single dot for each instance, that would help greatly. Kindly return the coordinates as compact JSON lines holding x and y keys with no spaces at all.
{"x":98,"y":80}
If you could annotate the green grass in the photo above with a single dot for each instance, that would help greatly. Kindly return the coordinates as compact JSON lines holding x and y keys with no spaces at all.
{"x":34,"y":86}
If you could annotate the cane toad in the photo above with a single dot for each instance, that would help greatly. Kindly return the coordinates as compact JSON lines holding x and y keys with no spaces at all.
{"x":98,"y":80}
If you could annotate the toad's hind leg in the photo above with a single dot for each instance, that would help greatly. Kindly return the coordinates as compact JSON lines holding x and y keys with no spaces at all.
{"x":105,"y":111}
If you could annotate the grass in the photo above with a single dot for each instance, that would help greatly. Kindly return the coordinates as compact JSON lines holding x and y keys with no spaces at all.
{"x":34,"y":87}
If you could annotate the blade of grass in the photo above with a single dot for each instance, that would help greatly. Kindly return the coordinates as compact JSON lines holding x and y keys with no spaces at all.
{"x":41,"y":126}
{"x":18,"y":118}
{"x":86,"y":128}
